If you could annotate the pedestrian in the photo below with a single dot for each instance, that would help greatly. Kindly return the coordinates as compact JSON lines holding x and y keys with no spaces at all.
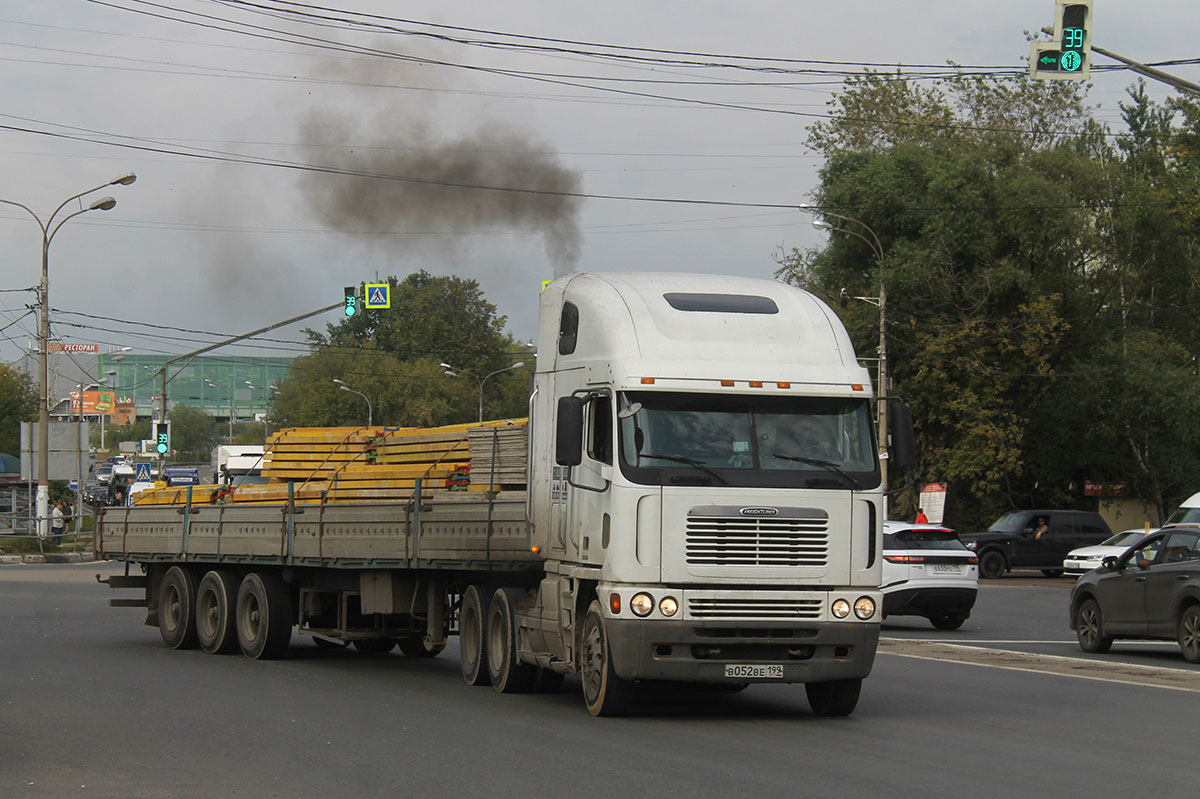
{"x":57,"y":524}
{"x":921,"y":517}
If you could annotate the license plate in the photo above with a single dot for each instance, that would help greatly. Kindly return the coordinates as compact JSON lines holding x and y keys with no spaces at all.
{"x":946,"y":568}
{"x":745,"y":671}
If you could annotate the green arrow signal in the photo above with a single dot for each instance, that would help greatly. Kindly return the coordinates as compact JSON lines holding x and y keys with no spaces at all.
{"x":1048,"y":59}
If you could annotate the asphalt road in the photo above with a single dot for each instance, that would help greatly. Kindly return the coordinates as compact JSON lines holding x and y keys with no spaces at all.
{"x":94,"y":705}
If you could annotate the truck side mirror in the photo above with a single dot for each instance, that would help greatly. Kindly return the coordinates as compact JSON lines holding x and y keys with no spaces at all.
{"x":903,"y":451}
{"x":568,"y":442}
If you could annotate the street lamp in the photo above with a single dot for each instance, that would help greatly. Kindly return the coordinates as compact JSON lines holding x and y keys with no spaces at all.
{"x":879,"y":302}
{"x":49,"y":229}
{"x":211,"y":384}
{"x":345,"y":387}
{"x":452,"y":372}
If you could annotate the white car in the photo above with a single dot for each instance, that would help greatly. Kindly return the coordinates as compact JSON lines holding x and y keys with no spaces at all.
{"x":928,"y":572}
{"x":1083,"y":560}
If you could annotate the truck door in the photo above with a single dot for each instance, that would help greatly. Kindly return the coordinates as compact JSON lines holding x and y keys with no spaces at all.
{"x":589,"y":491}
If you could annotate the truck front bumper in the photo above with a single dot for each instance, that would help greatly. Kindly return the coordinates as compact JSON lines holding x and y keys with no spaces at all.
{"x":699,"y":651}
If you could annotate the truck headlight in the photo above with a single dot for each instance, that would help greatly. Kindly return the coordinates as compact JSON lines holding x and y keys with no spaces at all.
{"x":641,"y":604}
{"x":668,"y":606}
{"x":841,"y":608}
{"x":864,"y":608}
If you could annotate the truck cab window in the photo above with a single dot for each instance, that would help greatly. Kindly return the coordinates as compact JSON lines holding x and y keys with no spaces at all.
{"x":599,"y":430}
{"x":568,"y":329}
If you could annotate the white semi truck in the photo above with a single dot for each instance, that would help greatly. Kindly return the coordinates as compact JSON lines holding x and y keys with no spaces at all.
{"x":703,"y":505}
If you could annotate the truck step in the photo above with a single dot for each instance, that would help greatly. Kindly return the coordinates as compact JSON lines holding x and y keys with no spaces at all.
{"x":127,"y":603}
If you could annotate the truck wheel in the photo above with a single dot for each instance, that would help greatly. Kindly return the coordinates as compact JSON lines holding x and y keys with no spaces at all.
{"x":264,"y":616}
{"x":177,"y":608}
{"x":508,"y":675}
{"x":472,"y":633}
{"x":604,"y":692}
{"x":991,"y":564}
{"x":375,"y":646}
{"x":835,"y":698}
{"x":216,"y":600}
{"x":1089,"y":628}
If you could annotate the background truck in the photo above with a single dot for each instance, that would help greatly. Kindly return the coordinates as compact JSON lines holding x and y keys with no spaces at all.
{"x":696,"y":497}
{"x":237,"y":464}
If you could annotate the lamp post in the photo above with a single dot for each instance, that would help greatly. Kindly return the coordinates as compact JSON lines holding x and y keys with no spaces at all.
{"x":211,"y":384}
{"x":49,"y":229}
{"x":345,"y":387}
{"x":879,"y":302}
{"x":452,"y":372}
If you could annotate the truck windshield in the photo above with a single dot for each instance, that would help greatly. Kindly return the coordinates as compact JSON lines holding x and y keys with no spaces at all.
{"x":720,"y":439}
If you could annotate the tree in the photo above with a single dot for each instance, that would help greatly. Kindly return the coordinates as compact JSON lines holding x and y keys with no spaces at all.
{"x":1021,"y":250}
{"x":18,"y":403}
{"x":192,"y":430}
{"x":393,"y":356}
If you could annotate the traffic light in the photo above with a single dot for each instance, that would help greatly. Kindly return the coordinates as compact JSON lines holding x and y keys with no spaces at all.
{"x":1068,"y":57}
{"x":351,"y":297}
{"x":161,"y":433}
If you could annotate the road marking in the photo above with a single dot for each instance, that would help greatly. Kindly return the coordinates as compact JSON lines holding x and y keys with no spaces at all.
{"x":1069,"y":642}
{"x":1083,"y":668}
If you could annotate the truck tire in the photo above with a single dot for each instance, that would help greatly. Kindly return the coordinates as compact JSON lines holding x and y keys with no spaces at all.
{"x":415,"y":648}
{"x":374,"y":646}
{"x":472,"y":637}
{"x":604,"y":692}
{"x":264,"y":616}
{"x":216,"y":602}
{"x":992,"y":564}
{"x":834,"y":698}
{"x":507,"y":674}
{"x":177,"y":608}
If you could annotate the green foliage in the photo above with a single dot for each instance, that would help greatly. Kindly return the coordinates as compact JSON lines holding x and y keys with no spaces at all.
{"x":1025,"y":258}
{"x":393,"y":356}
{"x":192,"y":430}
{"x":18,"y":403}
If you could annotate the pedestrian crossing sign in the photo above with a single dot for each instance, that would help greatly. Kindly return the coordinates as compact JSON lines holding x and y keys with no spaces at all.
{"x":379,"y":295}
{"x":143,"y":472}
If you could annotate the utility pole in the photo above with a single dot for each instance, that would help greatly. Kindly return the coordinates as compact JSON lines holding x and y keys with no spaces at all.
{"x":883,"y":388}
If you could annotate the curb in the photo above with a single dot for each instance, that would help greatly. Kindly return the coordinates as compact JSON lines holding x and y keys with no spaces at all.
{"x":54,"y":557}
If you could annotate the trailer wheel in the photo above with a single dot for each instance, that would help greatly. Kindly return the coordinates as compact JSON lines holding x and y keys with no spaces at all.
{"x":264,"y":616}
{"x":177,"y":608}
{"x":604,"y":692}
{"x":834,"y":698}
{"x":375,"y":646}
{"x":216,"y":602}
{"x":472,"y":635}
{"x":508,"y":675}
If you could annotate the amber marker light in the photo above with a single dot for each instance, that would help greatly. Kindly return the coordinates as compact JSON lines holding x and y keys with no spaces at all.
{"x":614,"y":604}
{"x":755,"y":384}
{"x":856,"y":386}
{"x":784,"y":385}
{"x":727,"y":382}
{"x":647,"y":381}
{"x":536,"y":548}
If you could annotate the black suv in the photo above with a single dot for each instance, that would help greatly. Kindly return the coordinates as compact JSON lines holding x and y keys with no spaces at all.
{"x":1012,"y":541}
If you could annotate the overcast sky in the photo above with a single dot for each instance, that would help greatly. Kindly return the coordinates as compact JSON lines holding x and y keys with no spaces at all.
{"x":205,"y":243}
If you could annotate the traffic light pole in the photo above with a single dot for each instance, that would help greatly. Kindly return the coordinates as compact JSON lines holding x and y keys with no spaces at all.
{"x":1151,"y":72}
{"x":162,"y":412}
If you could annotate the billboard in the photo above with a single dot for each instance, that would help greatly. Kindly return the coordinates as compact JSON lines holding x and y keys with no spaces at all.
{"x":69,"y":453}
{"x":94,"y":402}
{"x":62,"y":346}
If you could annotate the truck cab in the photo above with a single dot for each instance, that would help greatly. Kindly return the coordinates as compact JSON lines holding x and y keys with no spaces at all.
{"x":695,"y":435}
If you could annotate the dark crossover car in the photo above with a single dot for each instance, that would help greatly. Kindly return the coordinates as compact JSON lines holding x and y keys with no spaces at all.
{"x":1013,"y":540}
{"x":1152,"y":591}
{"x":928,"y":572}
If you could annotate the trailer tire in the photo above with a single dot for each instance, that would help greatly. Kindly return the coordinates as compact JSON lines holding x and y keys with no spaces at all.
{"x":216,"y":605}
{"x":264,"y":616}
{"x":604,"y":692}
{"x":472,"y":637}
{"x":834,"y":698}
{"x":507,"y":674}
{"x":177,"y":608}
{"x":375,"y":646}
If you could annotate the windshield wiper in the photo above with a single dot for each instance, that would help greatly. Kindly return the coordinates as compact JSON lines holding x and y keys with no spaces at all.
{"x":833,"y":467}
{"x":688,"y":461}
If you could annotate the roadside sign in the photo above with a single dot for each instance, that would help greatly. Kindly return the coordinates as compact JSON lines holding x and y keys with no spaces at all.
{"x":379,"y":295}
{"x":143,"y":472}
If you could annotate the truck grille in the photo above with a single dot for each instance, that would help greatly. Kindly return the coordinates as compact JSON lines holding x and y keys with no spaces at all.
{"x":726,"y":608}
{"x":756,"y":541}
